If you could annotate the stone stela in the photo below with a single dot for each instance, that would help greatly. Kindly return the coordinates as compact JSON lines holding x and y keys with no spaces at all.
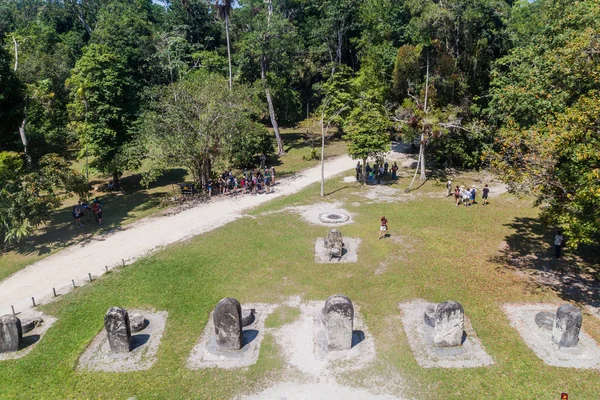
{"x":338,"y":318}
{"x":118,"y":330}
{"x":567,"y":325}
{"x":448,"y":322}
{"x":227,"y":319}
{"x":334,"y":244}
{"x":11,"y":334}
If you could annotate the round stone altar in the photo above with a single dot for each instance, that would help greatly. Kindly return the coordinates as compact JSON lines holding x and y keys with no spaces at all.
{"x":333,"y":217}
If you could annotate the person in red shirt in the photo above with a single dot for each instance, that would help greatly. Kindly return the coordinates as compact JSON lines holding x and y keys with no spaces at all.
{"x":383,"y":227}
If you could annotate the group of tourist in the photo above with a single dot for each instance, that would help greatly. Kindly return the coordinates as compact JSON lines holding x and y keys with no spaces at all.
{"x":376,"y":173}
{"x":253,"y":182}
{"x":467,"y":196}
{"x":82,"y":208}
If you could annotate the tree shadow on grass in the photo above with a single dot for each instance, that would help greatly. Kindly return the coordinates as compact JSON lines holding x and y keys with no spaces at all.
{"x":118,"y":208}
{"x":530,"y":251}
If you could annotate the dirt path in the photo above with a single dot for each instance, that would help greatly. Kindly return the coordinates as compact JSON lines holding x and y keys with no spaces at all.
{"x":137,"y":240}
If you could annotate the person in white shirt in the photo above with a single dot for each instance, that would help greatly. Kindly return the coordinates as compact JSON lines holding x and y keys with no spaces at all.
{"x":558,"y":242}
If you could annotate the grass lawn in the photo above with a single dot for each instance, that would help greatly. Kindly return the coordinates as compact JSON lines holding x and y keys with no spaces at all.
{"x":136,"y":202}
{"x":436,"y":252}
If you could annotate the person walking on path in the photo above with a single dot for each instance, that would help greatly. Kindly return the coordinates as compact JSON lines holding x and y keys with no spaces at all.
{"x":449,"y":188}
{"x":385,"y":168}
{"x":383,"y":227}
{"x":558,"y":242}
{"x":395,"y":172}
{"x":484,"y":196}
{"x":358,"y":170}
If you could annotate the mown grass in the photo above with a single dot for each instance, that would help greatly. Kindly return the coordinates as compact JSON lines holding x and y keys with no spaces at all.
{"x":436,"y":252}
{"x":135,"y":202}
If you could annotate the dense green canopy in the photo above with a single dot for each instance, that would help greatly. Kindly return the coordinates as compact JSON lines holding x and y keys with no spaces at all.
{"x":83,"y":77}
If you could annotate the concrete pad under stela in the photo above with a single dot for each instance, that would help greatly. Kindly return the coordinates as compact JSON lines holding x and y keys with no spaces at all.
{"x":470,"y":354}
{"x":32,"y":338}
{"x":98,"y":357}
{"x":586,"y":355}
{"x":206,"y":355}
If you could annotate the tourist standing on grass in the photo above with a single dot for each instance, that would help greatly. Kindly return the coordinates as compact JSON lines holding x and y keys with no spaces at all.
{"x":395,"y":172}
{"x":77,"y":212}
{"x":383,"y":227}
{"x":97,"y":210}
{"x":558,"y":242}
{"x":484,"y":196}
{"x":473,"y":194}
{"x":358,"y":169}
{"x":449,"y":187}
{"x":457,"y":195}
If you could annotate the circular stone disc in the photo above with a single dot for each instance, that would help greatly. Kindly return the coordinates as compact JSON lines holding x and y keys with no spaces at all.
{"x":333,"y":217}
{"x":545,"y":320}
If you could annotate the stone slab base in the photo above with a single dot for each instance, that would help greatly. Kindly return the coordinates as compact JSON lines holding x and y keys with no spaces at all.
{"x":349,"y":251}
{"x":32,"y":338}
{"x":586,"y":355}
{"x":98,"y":357}
{"x":420,"y":337}
{"x":305,"y":347}
{"x":205,"y":354}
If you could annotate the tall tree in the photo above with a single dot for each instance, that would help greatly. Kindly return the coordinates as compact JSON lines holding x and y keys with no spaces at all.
{"x":103,"y":120}
{"x":367,"y":130}
{"x":268,"y":43}
{"x":200,"y":124}
{"x":224,"y":8}
{"x":545,"y":99}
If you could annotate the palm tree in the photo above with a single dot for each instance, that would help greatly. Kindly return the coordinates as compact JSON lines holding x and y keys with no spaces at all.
{"x":224,"y":8}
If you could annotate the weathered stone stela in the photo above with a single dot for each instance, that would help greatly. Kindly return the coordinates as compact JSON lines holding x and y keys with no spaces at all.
{"x":567,"y":325}
{"x":334,"y":244}
{"x":338,"y":317}
{"x":449,"y":324}
{"x":116,"y":323}
{"x":227,"y":319}
{"x":11,"y":334}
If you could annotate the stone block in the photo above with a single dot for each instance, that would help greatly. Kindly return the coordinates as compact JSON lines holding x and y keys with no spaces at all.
{"x":449,"y":324}
{"x":11,"y":334}
{"x":567,"y":325}
{"x":429,"y":315}
{"x":545,"y":320}
{"x":137,"y":322}
{"x":227,"y":319}
{"x":248,"y":317}
{"x":338,"y":318}
{"x":118,"y":330}
{"x":334,"y":244}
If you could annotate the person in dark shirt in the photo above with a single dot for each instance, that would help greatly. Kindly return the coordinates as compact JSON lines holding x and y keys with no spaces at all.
{"x":484,"y":196}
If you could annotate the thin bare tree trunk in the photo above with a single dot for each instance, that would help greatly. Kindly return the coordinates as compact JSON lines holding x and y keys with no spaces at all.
{"x":22,"y":131}
{"x":421,"y":159}
{"x":423,"y":176}
{"x":228,"y":48}
{"x":16,"y":53}
{"x":24,"y":139}
{"x":263,"y":75}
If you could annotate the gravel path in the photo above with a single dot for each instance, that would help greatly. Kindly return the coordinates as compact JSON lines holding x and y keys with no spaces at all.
{"x":139,"y":239}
